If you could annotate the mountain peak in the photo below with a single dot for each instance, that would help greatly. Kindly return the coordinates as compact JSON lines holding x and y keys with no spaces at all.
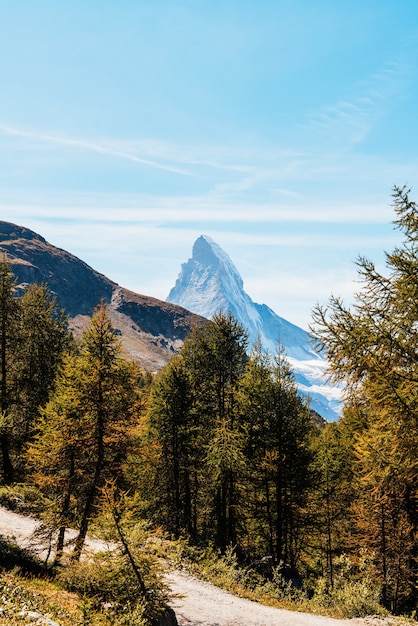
{"x":209,"y":283}
{"x":203,"y":246}
{"x":206,"y":250}
{"x":207,"y":280}
{"x":208,"y":253}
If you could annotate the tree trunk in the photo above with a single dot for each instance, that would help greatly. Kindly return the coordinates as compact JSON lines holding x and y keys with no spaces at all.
{"x":92,"y":493}
{"x":8,"y":471}
{"x":64,"y":511}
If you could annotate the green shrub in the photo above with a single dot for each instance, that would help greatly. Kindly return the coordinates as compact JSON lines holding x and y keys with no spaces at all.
{"x":355,"y":592}
{"x":109,"y":581}
{"x":23,"y":498}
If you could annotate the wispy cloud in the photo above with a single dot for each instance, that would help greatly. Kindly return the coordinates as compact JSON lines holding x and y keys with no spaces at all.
{"x":92,"y":147}
{"x":347,"y":123}
{"x":195,"y":210}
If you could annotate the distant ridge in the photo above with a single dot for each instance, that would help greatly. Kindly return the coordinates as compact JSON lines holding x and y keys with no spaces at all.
{"x":151,"y":330}
{"x":209,"y":282}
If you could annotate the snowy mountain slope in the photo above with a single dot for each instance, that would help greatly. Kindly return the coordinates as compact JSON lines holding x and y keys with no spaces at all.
{"x":209,"y":282}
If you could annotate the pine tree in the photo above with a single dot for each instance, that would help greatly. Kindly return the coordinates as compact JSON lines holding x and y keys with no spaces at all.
{"x":33,"y":337}
{"x":56,"y":455}
{"x":171,"y":421}
{"x":331,"y":497}
{"x":192,"y":418}
{"x":43,"y":339}
{"x":215,"y":357}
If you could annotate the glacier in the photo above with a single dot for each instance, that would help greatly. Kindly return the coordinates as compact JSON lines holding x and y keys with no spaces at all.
{"x":209,"y":283}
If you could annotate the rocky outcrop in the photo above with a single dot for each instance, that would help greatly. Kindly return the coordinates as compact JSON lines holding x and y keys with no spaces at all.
{"x":166,"y":618}
{"x":151,"y":330}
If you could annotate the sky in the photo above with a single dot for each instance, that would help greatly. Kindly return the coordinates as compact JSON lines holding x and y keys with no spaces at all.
{"x":279,"y":128}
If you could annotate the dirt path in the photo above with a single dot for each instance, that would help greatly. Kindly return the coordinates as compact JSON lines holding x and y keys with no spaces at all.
{"x":206,"y":605}
{"x":197,"y":603}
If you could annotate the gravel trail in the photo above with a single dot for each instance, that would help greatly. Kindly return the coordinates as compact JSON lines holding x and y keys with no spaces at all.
{"x":197,"y":603}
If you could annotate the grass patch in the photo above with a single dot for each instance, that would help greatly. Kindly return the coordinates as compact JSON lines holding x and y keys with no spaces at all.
{"x":23,"y":598}
{"x":99,"y":591}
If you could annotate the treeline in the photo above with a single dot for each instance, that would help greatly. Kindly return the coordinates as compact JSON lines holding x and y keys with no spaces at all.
{"x":219,"y":448}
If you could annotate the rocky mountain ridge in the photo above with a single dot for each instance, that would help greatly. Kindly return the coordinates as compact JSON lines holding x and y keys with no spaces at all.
{"x":151,"y":330}
{"x":209,"y":282}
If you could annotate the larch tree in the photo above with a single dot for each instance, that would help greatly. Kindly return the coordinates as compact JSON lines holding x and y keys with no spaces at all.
{"x":276,"y":426}
{"x":111,"y":405}
{"x":33,"y":337}
{"x":256,"y":406}
{"x":373,"y":348}
{"x":9,"y":341}
{"x":330,"y":497}
{"x":193,"y":413}
{"x":88,"y":426}
{"x":56,"y":454}
{"x":43,"y":340}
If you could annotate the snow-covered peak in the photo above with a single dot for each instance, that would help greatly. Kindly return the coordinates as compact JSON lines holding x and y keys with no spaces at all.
{"x":208,"y":253}
{"x":209,"y":283}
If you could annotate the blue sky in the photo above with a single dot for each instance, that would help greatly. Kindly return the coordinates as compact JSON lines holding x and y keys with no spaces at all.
{"x":130,"y":127}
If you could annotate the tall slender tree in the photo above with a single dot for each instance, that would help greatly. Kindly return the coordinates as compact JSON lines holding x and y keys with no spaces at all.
{"x":9,"y":341}
{"x":331,"y":497}
{"x":278,"y":427}
{"x":88,"y":424}
{"x":215,"y":357}
{"x":373,"y":348}
{"x":43,"y":339}
{"x":111,"y":405}
{"x":172,"y":423}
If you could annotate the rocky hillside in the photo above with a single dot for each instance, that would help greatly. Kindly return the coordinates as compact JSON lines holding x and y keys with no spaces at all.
{"x":151,"y":330}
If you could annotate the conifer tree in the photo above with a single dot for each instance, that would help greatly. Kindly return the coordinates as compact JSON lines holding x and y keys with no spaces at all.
{"x":171,"y":421}
{"x":43,"y":339}
{"x":331,"y":496}
{"x":88,"y":426}
{"x":9,"y":341}
{"x":192,"y":416}
{"x":56,"y":455}
{"x":33,"y":337}
{"x":215,"y":357}
{"x":373,"y":348}
{"x":278,"y":428}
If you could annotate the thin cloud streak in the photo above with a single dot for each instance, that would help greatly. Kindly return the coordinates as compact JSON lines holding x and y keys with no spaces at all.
{"x":198,"y":210}
{"x":94,"y":147}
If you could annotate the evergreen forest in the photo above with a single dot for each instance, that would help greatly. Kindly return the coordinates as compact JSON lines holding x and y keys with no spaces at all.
{"x":218,"y":451}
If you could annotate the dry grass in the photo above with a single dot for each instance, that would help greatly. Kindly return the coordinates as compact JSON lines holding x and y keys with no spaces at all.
{"x":23,"y":598}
